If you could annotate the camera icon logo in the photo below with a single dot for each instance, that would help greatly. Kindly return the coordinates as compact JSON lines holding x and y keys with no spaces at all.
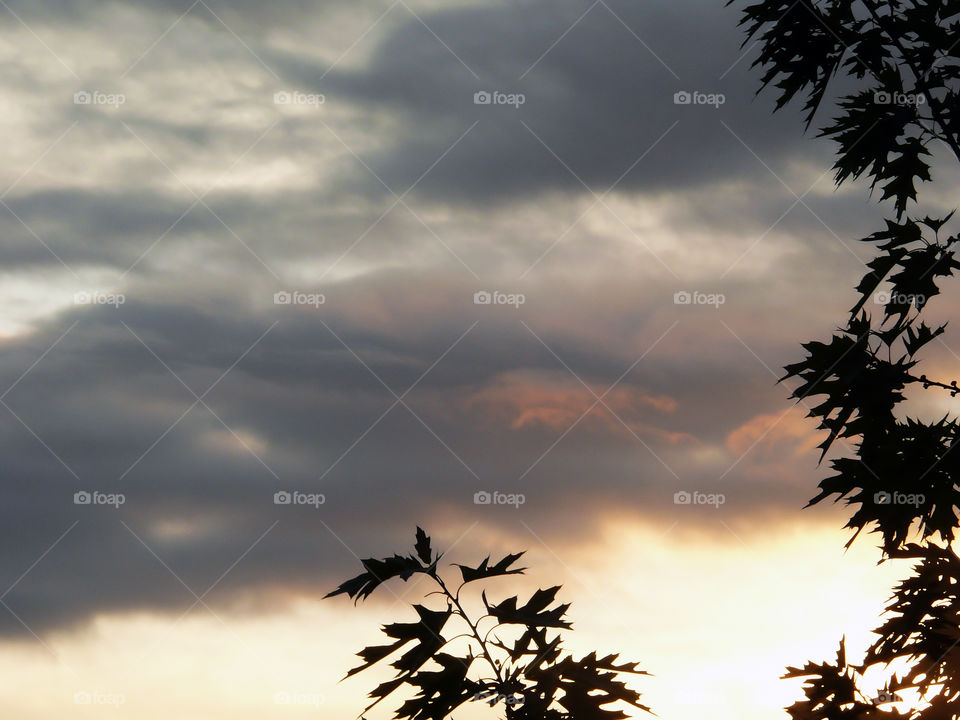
{"x":882,"y":498}
{"x":881,"y":298}
{"x":282,"y":298}
{"x":682,"y":98}
{"x":282,"y":98}
{"x":682,"y":298}
{"x":681,"y":497}
{"x":885,"y":696}
{"x":82,"y":698}
{"x":482,"y":97}
{"x":82,"y":98}
{"x":882,"y":98}
{"x":81,"y":298}
{"x":482,"y":498}
{"x":482,"y":297}
{"x":282,"y":498}
{"x":82,"y":498}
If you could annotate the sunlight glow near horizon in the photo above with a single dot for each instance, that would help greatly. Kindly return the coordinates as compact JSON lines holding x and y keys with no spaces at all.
{"x":735,"y":617}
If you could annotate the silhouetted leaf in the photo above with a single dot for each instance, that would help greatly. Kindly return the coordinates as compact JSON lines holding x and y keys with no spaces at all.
{"x":377,"y":572}
{"x":533,"y":613}
{"x":422,"y":547}
{"x":485,"y":570}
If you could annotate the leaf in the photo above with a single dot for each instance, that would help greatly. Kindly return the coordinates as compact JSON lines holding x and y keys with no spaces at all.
{"x":485,"y":570}
{"x":422,"y":547}
{"x":372,"y":655}
{"x":534,"y":613}
{"x":936,"y":223}
{"x":880,"y":267}
{"x":917,"y":338}
{"x":425,"y":633}
{"x":377,"y":572}
{"x":588,"y":685}
{"x":903,"y":171}
{"x":440,"y":692}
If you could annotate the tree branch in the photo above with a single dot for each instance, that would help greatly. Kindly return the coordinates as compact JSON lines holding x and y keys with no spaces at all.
{"x":919,"y":80}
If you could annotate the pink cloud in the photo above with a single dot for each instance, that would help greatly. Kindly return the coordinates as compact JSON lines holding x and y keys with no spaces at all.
{"x":524,"y":400}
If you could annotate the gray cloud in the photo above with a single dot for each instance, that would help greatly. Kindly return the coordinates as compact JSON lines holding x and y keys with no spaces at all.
{"x":247,"y":14}
{"x":497,"y":408}
{"x":599,"y":94}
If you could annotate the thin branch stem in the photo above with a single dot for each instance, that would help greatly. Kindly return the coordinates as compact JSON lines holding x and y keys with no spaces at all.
{"x":455,"y":599}
{"x":953,"y":388}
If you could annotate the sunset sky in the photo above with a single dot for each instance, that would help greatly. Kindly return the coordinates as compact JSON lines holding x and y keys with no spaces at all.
{"x":243,"y":246}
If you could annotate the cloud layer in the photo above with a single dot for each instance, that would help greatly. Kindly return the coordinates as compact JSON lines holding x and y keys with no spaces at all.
{"x":146,"y":354}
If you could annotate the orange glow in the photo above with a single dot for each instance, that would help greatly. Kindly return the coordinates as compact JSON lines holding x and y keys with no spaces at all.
{"x":521,"y":400}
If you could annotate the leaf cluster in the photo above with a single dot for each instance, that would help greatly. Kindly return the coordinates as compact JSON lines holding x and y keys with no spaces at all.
{"x":510,"y":657}
{"x":890,"y":69}
{"x":901,"y":69}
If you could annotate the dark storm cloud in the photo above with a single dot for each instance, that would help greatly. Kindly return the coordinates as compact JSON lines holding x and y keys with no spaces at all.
{"x":299,"y":399}
{"x":599,"y":93}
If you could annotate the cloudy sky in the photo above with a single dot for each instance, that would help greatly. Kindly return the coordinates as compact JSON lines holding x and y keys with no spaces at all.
{"x":393,"y":255}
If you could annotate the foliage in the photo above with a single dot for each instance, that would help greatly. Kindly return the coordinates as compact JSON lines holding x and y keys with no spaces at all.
{"x":516,"y":665}
{"x":899,"y":66}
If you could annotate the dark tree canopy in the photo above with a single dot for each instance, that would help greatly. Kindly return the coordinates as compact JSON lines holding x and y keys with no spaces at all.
{"x":900,"y":66}
{"x":888,"y":74}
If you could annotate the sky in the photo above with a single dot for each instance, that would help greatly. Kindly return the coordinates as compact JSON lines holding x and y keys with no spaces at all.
{"x":393,"y":259}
